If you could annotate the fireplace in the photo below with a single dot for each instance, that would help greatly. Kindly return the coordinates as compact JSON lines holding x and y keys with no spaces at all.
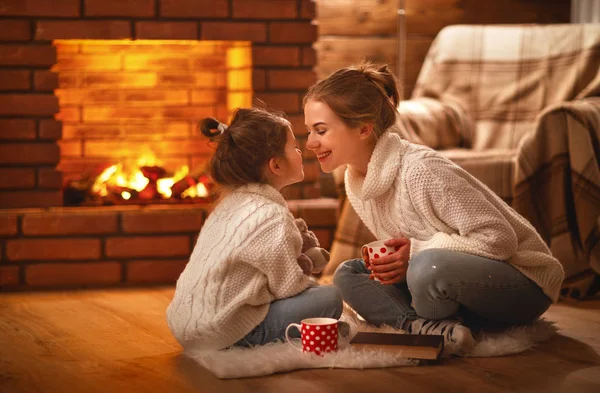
{"x":72,"y":105}
{"x":130,"y":110}
{"x":45,"y":133}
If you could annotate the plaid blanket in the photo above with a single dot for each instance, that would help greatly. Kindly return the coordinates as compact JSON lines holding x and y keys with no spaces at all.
{"x":516,"y":106}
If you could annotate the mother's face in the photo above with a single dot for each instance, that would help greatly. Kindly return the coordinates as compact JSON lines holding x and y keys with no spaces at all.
{"x":334,"y":142}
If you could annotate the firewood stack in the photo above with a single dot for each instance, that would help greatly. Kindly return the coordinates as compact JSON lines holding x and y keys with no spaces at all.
{"x":195,"y":187}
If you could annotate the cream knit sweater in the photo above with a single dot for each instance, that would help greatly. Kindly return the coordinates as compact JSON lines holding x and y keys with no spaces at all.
{"x":412,"y":191}
{"x":245,"y":258}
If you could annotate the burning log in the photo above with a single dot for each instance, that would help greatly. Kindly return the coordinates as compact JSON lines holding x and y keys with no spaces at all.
{"x":197,"y":178}
{"x":119,"y":190}
{"x":153,"y":174}
{"x":179,"y":187}
{"x":144,"y":185}
{"x":75,"y":192}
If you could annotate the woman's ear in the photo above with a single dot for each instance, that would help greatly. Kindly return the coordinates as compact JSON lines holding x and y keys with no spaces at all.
{"x":366,"y":130}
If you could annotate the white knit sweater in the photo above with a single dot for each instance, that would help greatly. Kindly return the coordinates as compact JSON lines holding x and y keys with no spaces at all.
{"x":245,"y":258}
{"x":412,"y":191}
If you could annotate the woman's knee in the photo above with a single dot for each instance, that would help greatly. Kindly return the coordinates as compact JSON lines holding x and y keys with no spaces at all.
{"x":347,"y":271}
{"x":426,"y":268}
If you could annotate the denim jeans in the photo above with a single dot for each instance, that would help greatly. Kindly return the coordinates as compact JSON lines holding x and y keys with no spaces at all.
{"x":322,"y":301}
{"x":443,"y":284}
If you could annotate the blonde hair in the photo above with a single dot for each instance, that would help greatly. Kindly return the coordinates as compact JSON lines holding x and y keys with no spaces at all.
{"x":254,"y":136}
{"x":360,"y":94}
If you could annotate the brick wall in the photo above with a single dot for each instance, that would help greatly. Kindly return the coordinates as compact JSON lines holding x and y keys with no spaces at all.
{"x":114,"y":246}
{"x":280,"y":31}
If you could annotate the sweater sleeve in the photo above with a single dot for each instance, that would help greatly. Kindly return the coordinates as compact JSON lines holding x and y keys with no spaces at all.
{"x":465,"y":220}
{"x":274,"y":250}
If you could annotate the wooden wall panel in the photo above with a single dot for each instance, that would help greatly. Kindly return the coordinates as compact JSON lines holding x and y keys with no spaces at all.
{"x":354,"y":29}
{"x":416,"y":50}
{"x":357,"y":17}
{"x":338,"y":52}
{"x":350,"y":30}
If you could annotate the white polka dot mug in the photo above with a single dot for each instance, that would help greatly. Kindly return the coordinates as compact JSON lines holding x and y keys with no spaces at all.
{"x":378,"y":249}
{"x":318,"y":335}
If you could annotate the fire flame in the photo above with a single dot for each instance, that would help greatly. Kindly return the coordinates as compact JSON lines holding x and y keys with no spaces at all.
{"x":117,"y":175}
{"x":198,"y":191}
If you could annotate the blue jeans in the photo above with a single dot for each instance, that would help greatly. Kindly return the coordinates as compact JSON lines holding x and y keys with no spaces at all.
{"x":323,"y":301}
{"x":443,"y":284}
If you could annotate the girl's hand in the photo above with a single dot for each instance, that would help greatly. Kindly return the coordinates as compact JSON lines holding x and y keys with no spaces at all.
{"x":391,"y":269}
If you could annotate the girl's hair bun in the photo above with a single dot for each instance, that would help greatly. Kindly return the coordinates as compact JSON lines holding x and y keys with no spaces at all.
{"x":210,"y":127}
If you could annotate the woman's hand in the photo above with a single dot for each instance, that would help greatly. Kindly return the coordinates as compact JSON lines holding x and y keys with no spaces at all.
{"x":391,"y":269}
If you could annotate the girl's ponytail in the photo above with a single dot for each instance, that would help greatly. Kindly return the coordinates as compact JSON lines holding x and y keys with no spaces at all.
{"x":209,"y":127}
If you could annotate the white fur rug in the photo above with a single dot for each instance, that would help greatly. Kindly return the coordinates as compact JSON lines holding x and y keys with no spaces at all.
{"x":281,"y":357}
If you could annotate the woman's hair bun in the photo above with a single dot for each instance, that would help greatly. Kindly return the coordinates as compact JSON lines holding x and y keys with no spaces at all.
{"x":384,"y":68}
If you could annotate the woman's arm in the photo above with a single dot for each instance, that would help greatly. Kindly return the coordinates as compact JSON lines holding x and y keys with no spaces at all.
{"x":447,"y":198}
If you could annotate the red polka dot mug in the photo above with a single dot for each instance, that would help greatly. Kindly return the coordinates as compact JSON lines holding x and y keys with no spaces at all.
{"x":318,"y":335}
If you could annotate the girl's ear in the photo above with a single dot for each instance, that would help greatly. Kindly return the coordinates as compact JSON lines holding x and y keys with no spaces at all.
{"x":366,"y":131}
{"x":274,"y":172}
{"x":274,"y":166}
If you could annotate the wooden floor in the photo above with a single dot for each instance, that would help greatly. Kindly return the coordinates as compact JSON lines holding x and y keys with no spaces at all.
{"x":118,"y":341}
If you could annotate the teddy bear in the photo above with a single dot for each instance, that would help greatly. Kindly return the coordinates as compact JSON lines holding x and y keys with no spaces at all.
{"x":313,"y":258}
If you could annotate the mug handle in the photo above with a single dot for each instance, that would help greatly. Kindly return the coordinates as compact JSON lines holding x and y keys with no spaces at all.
{"x":364,"y":252}
{"x":287,"y":337}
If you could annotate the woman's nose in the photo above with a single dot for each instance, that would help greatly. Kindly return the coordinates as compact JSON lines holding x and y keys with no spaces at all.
{"x":312,"y":142}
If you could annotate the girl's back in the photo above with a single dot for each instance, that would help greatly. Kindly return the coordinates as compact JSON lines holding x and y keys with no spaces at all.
{"x":226,"y":289}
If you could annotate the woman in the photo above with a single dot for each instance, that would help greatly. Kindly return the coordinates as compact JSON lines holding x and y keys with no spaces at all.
{"x":461,"y":250}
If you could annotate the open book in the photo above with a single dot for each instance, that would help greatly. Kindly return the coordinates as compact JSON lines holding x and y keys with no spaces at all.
{"x":415,"y":346}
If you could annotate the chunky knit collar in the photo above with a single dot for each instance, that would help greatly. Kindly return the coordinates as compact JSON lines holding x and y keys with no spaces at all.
{"x":382,"y":169}
{"x":264,"y":190}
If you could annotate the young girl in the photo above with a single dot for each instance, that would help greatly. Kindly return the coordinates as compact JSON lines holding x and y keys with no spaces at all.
{"x":459,"y":246}
{"x":244,"y":283}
